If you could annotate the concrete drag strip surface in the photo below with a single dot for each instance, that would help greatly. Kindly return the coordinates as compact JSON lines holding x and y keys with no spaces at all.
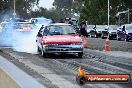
{"x":61,"y":70}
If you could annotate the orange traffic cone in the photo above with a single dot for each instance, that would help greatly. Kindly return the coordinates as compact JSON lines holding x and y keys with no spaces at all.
{"x":107,"y":45}
{"x":85,"y":42}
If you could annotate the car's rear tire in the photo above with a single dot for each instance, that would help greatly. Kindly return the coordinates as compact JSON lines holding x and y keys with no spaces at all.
{"x":80,"y":54}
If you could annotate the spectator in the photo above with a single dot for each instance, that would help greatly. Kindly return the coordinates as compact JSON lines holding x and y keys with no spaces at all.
{"x":70,"y":21}
{"x":42,"y":27}
{"x":94,"y":28}
{"x":46,"y":30}
{"x":83,"y":27}
{"x":40,"y":31}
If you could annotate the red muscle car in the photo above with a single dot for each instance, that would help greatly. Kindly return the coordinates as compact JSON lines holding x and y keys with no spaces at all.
{"x":59,"y":38}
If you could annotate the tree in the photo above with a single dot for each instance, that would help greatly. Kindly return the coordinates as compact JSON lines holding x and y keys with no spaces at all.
{"x":63,"y":7}
{"x":95,"y":11}
{"x":23,"y":7}
{"x":43,"y":12}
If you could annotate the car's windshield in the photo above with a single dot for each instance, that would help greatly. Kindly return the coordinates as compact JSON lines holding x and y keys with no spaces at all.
{"x":101,"y":27}
{"x":129,"y":27}
{"x":61,"y":30}
{"x":113,"y":27}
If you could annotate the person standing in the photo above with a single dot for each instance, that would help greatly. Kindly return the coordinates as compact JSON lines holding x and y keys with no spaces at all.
{"x":70,"y":21}
{"x":83,"y":27}
{"x":46,"y":30}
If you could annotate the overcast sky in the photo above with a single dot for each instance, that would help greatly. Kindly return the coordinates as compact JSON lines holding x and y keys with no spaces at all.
{"x":46,"y":3}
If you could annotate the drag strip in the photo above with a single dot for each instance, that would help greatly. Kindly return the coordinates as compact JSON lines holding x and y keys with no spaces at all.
{"x":64,"y":67}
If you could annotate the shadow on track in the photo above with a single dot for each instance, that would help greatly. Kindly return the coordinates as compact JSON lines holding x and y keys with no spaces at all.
{"x":60,"y":56}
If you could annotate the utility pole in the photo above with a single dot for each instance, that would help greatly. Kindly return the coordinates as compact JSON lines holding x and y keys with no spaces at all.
{"x":14,"y":13}
{"x":119,"y":20}
{"x":128,"y":15}
{"x":108,"y":14}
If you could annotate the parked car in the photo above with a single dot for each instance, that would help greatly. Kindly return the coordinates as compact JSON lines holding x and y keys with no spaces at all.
{"x":59,"y":38}
{"x":124,"y":32}
{"x":96,"y":30}
{"x":101,"y":31}
{"x":3,"y":26}
{"x":40,"y":21}
{"x":104,"y":34}
{"x":24,"y":26}
{"x":112,"y":32}
{"x":129,"y":32}
{"x":89,"y":28}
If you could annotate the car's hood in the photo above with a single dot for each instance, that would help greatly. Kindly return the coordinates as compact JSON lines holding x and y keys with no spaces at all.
{"x":62,"y":39}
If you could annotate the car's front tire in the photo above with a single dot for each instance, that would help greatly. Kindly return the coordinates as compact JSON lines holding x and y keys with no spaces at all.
{"x":43,"y":53}
{"x":38,"y":49}
{"x":80,"y":54}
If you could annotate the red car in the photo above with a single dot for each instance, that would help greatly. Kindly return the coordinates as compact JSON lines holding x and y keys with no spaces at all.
{"x":59,"y":38}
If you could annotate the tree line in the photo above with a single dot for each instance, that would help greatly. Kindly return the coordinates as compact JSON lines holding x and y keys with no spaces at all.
{"x":95,"y":11}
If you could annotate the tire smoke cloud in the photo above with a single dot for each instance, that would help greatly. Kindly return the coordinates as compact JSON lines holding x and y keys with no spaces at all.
{"x":17,"y":40}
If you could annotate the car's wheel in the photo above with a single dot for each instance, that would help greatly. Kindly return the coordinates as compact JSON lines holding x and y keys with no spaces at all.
{"x":102,"y":37}
{"x":118,"y":38}
{"x":95,"y":36}
{"x":90,"y":36}
{"x":80,"y":54}
{"x":110,"y":38}
{"x":38,"y":49}
{"x":43,"y":53}
{"x":123,"y":39}
{"x":127,"y":40}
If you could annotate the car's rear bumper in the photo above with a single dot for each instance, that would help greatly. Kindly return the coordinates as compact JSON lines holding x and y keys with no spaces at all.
{"x":112,"y":35}
{"x":63,"y":49}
